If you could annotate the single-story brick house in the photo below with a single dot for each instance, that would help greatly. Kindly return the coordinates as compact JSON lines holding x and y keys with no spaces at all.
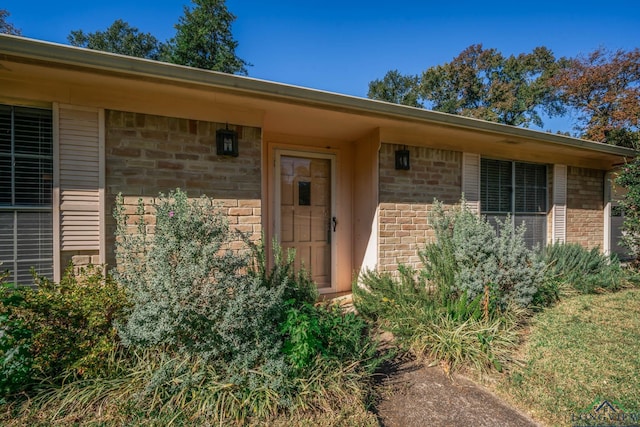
{"x":322,"y":172}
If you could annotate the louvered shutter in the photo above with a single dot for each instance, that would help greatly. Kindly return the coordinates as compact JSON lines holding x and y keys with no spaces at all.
{"x":81,"y":179}
{"x":471,"y":181}
{"x":559,"y":212}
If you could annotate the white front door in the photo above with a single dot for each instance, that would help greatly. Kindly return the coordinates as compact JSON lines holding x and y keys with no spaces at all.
{"x":305,"y":212}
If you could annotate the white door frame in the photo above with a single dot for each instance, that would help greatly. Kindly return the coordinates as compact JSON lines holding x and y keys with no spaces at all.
{"x":278,"y":184}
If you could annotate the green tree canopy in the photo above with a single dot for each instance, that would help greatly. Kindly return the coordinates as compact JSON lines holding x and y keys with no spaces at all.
{"x":396,"y":88}
{"x":6,"y":27}
{"x":480,"y":83}
{"x":204,"y":39}
{"x":604,"y":88}
{"x":120,"y":38}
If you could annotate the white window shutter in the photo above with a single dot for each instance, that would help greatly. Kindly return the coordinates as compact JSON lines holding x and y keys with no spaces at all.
{"x":81,"y":161}
{"x":471,"y":181}
{"x":559,"y":212}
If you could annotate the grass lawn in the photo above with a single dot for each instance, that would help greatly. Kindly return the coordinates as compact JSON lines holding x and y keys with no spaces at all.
{"x":583,"y":350}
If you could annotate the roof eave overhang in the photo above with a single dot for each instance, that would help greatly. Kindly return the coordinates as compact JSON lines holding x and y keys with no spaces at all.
{"x":46,"y":52}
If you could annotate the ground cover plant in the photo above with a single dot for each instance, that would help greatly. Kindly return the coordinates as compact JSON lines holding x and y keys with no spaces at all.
{"x":583,"y":350}
{"x":209,"y":334}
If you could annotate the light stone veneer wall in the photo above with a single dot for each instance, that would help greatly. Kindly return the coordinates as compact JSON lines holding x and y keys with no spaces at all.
{"x":147,"y":154}
{"x":406,"y":197}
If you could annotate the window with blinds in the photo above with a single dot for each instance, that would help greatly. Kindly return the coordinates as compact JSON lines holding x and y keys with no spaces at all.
{"x":518,"y":190}
{"x":26,"y":183}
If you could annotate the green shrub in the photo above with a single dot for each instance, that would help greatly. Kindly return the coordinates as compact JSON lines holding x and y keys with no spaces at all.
{"x":58,"y":330}
{"x":303,"y":341}
{"x":463,"y":309}
{"x":73,"y":321}
{"x":213,"y":334}
{"x":193,"y":294}
{"x":345,"y":338}
{"x":325,"y":333}
{"x":457,"y":331}
{"x":298,"y":286}
{"x":629,"y":179}
{"x":379,"y":295}
{"x":15,"y":344}
{"x":469,"y":256}
{"x":586,"y":270}
{"x":462,"y":306}
{"x":226,"y":326}
{"x":549,"y":292}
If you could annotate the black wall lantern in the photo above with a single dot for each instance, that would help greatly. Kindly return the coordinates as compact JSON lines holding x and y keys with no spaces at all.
{"x":227,"y":142}
{"x":402,"y":159}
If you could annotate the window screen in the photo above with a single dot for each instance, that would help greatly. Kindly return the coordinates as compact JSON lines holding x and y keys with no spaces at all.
{"x":26,"y":182}
{"x":518,"y":190}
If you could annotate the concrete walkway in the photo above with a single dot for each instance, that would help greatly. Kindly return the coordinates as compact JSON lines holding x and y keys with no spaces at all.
{"x":415,"y":395}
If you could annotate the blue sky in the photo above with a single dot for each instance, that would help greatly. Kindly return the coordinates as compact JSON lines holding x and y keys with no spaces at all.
{"x":340,"y":46}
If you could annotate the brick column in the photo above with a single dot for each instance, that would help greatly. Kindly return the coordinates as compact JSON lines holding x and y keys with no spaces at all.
{"x":585,"y":207}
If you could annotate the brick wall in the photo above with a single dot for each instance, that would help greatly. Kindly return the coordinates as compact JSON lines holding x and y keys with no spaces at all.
{"x":146,"y":155}
{"x":406,"y":196}
{"x":78,"y":259}
{"x":585,"y":206}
